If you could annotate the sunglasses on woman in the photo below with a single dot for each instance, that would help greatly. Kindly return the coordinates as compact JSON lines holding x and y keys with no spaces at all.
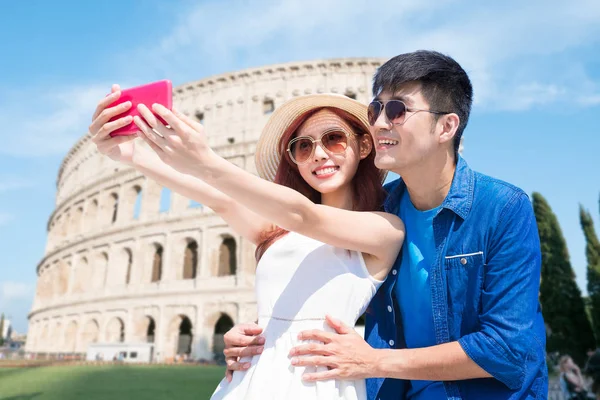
{"x":302,"y":148}
{"x":395,"y":111}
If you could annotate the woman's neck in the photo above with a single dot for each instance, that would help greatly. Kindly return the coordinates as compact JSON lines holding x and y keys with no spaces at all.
{"x":341,"y":198}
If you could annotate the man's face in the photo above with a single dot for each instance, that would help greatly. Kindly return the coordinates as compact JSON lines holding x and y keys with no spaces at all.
{"x":400,"y":147}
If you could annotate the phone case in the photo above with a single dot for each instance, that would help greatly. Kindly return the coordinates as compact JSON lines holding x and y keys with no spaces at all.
{"x":160,"y":92}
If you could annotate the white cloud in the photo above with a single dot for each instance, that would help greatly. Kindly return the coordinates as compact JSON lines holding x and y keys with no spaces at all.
{"x":529,"y":95}
{"x":6,"y":218}
{"x":504,"y":46}
{"x":61,"y":118}
{"x":10,"y":291}
{"x":518,"y":54}
{"x":591,"y":100}
{"x":13,"y":183}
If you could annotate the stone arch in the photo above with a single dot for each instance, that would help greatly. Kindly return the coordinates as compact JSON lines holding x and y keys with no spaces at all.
{"x":223,"y":324}
{"x":55,"y":336}
{"x":150,"y":329}
{"x":190,"y":260}
{"x":268,"y":106}
{"x":76,"y":220}
{"x":45,"y":284}
{"x":32,"y":336}
{"x":128,"y":265}
{"x":165,"y":200}
{"x":181,"y":333}
{"x":115,"y":331}
{"x":132,"y":202}
{"x":92,"y":214}
{"x":57,"y":230}
{"x":100,"y":270}
{"x":119,"y":267}
{"x":112,"y":207}
{"x":51,"y":280}
{"x":227,"y":257}
{"x":145,"y":329}
{"x":350,"y":93}
{"x":157,"y":263}
{"x":71,"y":337}
{"x":44,"y":336}
{"x":89,"y":334}
{"x":82,"y":276}
{"x":66,"y":224}
{"x":62,"y":280}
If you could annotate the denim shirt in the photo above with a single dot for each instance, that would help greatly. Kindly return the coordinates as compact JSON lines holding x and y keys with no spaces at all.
{"x":484,"y":290}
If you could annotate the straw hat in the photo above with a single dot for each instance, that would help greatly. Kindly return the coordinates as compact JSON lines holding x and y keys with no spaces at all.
{"x":268,"y":157}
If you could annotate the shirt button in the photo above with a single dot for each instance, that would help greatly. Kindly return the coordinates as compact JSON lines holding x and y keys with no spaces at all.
{"x":463,"y":261}
{"x":390,"y":308}
{"x":394,"y":272}
{"x":391,"y":343}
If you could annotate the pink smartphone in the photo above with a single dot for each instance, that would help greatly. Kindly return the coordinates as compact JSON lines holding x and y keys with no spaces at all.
{"x":160,"y":92}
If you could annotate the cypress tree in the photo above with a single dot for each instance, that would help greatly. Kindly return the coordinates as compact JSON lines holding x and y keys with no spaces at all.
{"x":592,"y":253}
{"x":562,"y":305}
{"x":2,"y":330}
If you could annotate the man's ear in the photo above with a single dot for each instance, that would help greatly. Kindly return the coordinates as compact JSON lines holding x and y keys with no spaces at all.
{"x":365,"y":144}
{"x":449,"y":124}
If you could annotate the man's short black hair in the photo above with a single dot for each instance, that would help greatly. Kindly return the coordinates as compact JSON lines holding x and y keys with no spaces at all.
{"x":444,"y":83}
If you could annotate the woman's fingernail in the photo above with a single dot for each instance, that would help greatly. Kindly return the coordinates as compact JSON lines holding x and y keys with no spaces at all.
{"x":259,"y":350}
{"x":294,"y":361}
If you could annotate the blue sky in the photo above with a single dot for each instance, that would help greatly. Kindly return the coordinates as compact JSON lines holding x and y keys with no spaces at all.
{"x":535,"y":70}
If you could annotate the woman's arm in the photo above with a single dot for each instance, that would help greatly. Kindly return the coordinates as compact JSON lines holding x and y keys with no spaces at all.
{"x":245,"y":222}
{"x":127,"y":150}
{"x":186,"y":149}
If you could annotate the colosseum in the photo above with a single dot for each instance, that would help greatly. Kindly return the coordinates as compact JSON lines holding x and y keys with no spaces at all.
{"x":127,"y":261}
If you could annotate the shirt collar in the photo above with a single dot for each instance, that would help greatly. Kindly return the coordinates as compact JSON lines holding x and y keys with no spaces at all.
{"x":459,"y":199}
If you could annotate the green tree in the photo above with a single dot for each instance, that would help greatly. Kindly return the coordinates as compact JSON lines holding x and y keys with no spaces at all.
{"x":2,"y":330}
{"x":562,"y":304}
{"x":592,"y":253}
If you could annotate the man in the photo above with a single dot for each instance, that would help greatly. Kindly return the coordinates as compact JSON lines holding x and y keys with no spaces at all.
{"x":458,"y":316}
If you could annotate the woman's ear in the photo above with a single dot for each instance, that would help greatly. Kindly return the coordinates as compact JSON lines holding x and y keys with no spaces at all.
{"x":365,"y":144}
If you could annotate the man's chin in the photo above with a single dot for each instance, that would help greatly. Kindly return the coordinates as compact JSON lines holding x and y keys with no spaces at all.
{"x":386,"y":162}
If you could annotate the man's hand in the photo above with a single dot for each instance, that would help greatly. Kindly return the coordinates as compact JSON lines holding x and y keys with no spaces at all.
{"x":345,"y":353}
{"x":241,"y":341}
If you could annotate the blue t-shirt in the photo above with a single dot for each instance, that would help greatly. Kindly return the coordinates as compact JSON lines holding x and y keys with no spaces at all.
{"x":413,"y":291}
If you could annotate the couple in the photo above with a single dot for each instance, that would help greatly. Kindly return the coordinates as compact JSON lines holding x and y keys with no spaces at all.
{"x":447,"y":270}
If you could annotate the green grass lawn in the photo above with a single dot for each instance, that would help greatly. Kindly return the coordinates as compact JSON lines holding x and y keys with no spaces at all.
{"x":118,"y":382}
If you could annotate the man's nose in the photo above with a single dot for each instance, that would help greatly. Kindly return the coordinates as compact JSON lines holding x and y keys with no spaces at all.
{"x":382,"y":122}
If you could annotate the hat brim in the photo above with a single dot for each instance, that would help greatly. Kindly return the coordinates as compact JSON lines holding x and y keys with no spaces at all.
{"x":268,"y":157}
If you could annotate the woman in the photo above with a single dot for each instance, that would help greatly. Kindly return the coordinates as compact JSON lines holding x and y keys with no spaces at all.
{"x":322,"y":248}
{"x":571,"y":379}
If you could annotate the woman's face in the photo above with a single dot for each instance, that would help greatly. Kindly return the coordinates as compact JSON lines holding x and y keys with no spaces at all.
{"x":327,"y":171}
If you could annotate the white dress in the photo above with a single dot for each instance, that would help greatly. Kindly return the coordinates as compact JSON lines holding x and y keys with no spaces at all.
{"x":298,"y":281}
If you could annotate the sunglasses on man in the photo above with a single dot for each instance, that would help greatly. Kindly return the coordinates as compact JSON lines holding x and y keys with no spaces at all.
{"x":395,"y":111}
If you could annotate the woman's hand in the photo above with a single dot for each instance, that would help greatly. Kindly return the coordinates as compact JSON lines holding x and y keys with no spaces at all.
{"x":183,"y":145}
{"x":119,"y":148}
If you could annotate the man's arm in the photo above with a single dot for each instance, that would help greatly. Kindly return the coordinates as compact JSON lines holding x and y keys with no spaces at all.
{"x":510,"y":294}
{"x":444,"y":362}
{"x":348,"y":356}
{"x":499,"y":349}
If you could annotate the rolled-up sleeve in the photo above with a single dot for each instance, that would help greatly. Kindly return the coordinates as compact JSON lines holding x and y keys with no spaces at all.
{"x":509,"y":295}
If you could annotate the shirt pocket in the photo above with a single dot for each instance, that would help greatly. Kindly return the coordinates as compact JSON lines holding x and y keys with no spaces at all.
{"x":464,"y":278}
